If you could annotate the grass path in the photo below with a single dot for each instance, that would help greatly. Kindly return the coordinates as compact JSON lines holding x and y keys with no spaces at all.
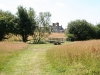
{"x":29,"y":62}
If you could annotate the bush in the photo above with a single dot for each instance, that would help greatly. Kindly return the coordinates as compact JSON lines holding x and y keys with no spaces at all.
{"x":71,"y":37}
{"x":81,"y":29}
{"x":40,"y":42}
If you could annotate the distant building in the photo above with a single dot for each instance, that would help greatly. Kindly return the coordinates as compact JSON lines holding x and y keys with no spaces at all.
{"x":56,"y":28}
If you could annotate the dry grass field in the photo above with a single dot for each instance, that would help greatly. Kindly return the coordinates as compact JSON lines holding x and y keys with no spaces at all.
{"x":74,"y":58}
{"x":12,"y":46}
{"x":8,"y":50}
{"x":57,"y":35}
{"x":77,"y":58}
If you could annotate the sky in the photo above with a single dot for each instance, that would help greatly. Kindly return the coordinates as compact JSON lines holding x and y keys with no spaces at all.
{"x":62,"y":11}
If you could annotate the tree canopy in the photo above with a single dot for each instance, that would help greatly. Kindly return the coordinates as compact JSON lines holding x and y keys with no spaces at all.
{"x":97,"y":27}
{"x":6,"y":23}
{"x":81,"y":29}
{"x":26,"y":22}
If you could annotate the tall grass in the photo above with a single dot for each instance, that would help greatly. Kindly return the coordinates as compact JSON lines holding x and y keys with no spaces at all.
{"x":78,"y":58}
{"x":12,"y":37}
{"x":8,"y":50}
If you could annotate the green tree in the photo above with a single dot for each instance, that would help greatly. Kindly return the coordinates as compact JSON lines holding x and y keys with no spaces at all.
{"x":26,"y":22}
{"x":6,"y":23}
{"x":43,"y":28}
{"x":98,"y":30}
{"x":81,"y":29}
{"x":98,"y":25}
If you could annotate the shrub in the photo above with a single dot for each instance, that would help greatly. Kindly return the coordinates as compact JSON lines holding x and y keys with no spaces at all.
{"x":81,"y":29}
{"x":71,"y":37}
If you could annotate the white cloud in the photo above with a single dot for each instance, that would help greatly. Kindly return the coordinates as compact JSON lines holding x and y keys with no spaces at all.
{"x":60,"y":4}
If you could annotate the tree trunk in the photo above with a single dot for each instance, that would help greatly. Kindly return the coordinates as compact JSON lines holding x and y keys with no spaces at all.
{"x":1,"y":37}
{"x":24,"y":37}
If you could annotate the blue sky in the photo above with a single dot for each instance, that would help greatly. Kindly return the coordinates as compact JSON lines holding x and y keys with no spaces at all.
{"x":63,"y":11}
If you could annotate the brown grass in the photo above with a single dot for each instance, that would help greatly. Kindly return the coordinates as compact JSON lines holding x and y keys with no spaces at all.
{"x":12,"y":37}
{"x":12,"y":46}
{"x":57,"y":35}
{"x":76,"y":55}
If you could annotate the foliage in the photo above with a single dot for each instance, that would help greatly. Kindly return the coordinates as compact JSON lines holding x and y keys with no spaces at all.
{"x":71,"y":37}
{"x":26,"y":22}
{"x":97,"y":28}
{"x":98,"y":25}
{"x":6,"y":23}
{"x":77,"y":58}
{"x":42,"y":29}
{"x":81,"y":29}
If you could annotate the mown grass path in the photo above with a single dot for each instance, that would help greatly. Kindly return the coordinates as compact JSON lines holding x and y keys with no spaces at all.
{"x":29,"y":62}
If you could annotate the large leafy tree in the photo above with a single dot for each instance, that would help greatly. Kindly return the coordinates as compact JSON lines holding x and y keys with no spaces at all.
{"x":26,"y":22}
{"x":43,"y":28}
{"x":6,"y":23}
{"x":97,"y":27}
{"x":81,"y":29}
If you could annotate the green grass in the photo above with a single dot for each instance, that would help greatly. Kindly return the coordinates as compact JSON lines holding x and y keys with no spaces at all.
{"x":77,"y":58}
{"x":31,"y":61}
{"x":9,"y":50}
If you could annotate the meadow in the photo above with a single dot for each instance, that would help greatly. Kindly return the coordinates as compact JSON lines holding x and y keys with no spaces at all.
{"x":77,"y":58}
{"x":9,"y":50}
{"x":69,"y":58}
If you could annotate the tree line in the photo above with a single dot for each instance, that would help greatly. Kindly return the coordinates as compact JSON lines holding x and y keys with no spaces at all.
{"x":82,"y":30}
{"x":24,"y":23}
